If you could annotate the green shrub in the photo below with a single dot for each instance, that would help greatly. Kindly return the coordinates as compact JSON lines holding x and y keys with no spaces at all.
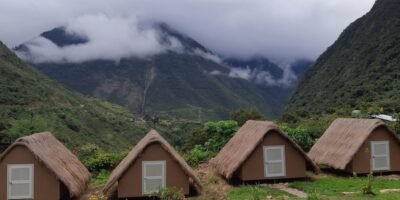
{"x":217,"y":135}
{"x":242,"y":115}
{"x":198,"y":155}
{"x":104,"y":161}
{"x":302,"y":136}
{"x":101,"y":178}
{"x":24,"y":127}
{"x":367,"y":189}
{"x":171,"y":193}
{"x":96,"y":160}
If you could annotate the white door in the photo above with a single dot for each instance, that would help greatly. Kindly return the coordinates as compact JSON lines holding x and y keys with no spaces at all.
{"x":274,"y":161}
{"x":380,"y":155}
{"x":153,"y":173}
{"x":20,"y":181}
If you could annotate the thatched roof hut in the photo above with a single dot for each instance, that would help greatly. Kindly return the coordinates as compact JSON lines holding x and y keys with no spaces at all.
{"x":249,"y":137}
{"x":344,"y":138}
{"x":57,"y":158}
{"x":153,"y":137}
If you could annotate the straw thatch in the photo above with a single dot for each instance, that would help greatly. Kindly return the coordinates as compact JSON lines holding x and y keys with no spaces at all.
{"x":151,"y":137}
{"x":243,"y":144}
{"x":342,"y":140}
{"x":58,"y":159}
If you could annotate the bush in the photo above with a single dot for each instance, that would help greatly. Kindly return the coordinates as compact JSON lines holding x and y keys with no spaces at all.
{"x":217,"y":135}
{"x":301,"y":136}
{"x":101,"y":179}
{"x":172,"y":193}
{"x":96,"y":160}
{"x":198,"y":155}
{"x":367,"y":189}
{"x":242,"y":115}
{"x":104,"y":161}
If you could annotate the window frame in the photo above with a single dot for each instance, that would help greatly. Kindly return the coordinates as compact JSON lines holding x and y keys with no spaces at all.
{"x":387,"y":144}
{"x":144,"y":177}
{"x":31,"y":181}
{"x":282,"y":161}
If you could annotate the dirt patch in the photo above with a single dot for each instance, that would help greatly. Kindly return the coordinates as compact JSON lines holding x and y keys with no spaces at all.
{"x":389,"y":190}
{"x":393,"y":177}
{"x":285,"y":187}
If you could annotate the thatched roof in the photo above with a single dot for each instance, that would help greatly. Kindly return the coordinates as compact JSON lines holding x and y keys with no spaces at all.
{"x":151,"y":138}
{"x":341,"y":141}
{"x":244,"y":142}
{"x":57,"y":158}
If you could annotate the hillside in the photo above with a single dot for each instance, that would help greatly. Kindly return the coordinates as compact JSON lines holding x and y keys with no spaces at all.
{"x":361,"y":70}
{"x":192,"y":84}
{"x":30,"y":102}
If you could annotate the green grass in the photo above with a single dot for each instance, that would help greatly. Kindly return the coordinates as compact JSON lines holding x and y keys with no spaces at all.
{"x":333,"y":187}
{"x":388,"y":196}
{"x":255,"y":193}
{"x":100,"y":179}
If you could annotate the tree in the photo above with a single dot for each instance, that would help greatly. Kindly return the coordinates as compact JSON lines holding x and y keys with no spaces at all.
{"x":242,"y":115}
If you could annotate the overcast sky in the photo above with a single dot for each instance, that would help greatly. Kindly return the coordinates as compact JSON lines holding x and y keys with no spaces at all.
{"x":279,"y":29}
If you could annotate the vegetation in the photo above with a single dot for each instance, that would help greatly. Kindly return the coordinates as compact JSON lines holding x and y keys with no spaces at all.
{"x":170,"y":194}
{"x":335,"y":186}
{"x":97,"y":160}
{"x":29,"y":103}
{"x":367,"y":189}
{"x":256,"y":193}
{"x":242,"y":115}
{"x":214,"y":136}
{"x":359,"y":71}
{"x":100,"y":179}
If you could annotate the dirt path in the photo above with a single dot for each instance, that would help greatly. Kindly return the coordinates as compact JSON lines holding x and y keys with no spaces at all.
{"x":285,"y":187}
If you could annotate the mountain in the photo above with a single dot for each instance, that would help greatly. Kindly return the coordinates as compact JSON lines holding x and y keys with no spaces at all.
{"x":360,"y":70}
{"x":30,"y":102}
{"x":191,"y":83}
{"x":300,"y":66}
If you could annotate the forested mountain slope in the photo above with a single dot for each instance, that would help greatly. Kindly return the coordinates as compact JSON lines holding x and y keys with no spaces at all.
{"x":360,"y":70}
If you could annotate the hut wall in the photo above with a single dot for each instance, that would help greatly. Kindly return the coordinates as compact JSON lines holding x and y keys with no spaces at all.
{"x":46,"y":184}
{"x":253,"y":168}
{"x":130,"y":183}
{"x":361,"y":162}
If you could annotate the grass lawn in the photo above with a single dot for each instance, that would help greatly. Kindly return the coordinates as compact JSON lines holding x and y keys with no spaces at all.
{"x":332,"y":187}
{"x":255,"y":193}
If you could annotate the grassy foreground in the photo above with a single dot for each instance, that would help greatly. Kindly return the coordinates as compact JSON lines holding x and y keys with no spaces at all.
{"x":321,"y":187}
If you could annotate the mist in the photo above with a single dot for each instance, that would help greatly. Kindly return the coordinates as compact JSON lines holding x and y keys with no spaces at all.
{"x":276,"y":29}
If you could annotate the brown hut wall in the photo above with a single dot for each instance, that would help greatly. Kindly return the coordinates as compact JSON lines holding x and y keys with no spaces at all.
{"x":361,"y":162}
{"x":253,"y":167}
{"x":46,"y":185}
{"x":130,"y":183}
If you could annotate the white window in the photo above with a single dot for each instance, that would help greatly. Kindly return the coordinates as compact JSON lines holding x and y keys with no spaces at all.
{"x":20,"y":181}
{"x":380,"y":155}
{"x":274,"y":161}
{"x":153,"y":173}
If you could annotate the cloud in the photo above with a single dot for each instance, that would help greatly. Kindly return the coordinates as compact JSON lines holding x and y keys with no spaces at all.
{"x":263,"y":77}
{"x":279,"y":29}
{"x":108,"y":38}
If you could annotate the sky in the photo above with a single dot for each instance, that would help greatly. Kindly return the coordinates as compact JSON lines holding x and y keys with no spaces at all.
{"x":276,"y":29}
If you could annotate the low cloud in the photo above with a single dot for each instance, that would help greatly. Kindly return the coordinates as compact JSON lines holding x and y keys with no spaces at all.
{"x":263,"y":77}
{"x":278,"y":29}
{"x":108,"y":37}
